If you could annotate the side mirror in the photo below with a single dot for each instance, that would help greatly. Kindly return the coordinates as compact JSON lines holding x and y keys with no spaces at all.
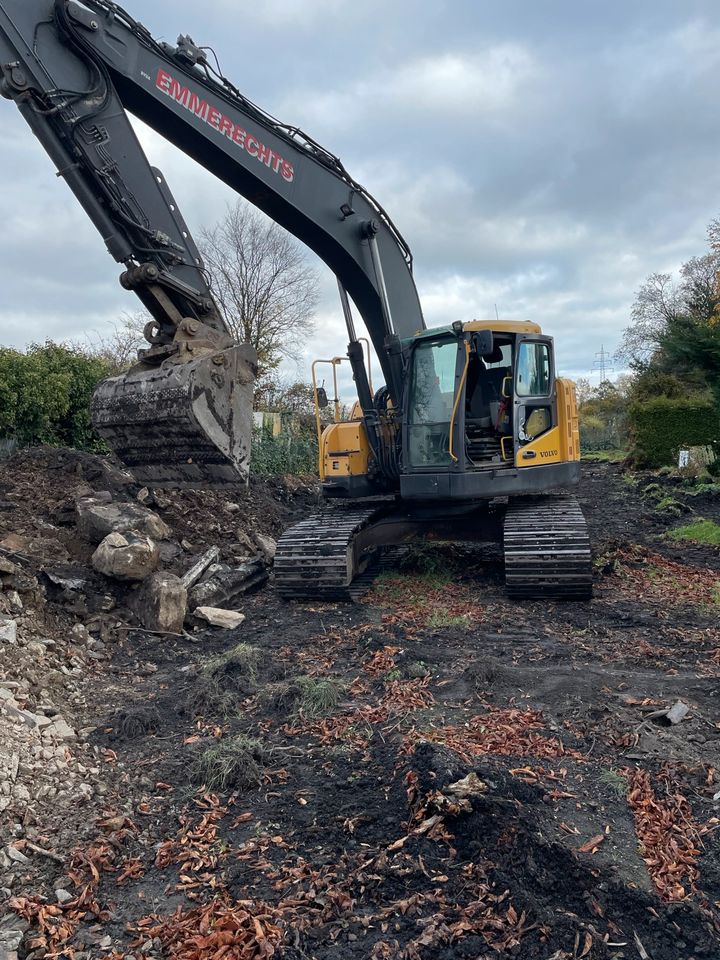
{"x":484,"y":342}
{"x":321,"y":398}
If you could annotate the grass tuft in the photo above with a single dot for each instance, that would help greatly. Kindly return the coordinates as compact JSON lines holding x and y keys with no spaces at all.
{"x":616,"y":781}
{"x":699,"y":531}
{"x":233,"y":764}
{"x":441,"y":618}
{"x":310,"y":697}
{"x":671,"y":507}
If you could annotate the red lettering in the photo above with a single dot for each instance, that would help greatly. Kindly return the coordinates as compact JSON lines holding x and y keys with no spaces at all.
{"x":192,"y":102}
{"x":163,"y":81}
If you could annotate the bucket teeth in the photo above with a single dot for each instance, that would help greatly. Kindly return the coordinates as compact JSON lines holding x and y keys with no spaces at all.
{"x":181,"y":424}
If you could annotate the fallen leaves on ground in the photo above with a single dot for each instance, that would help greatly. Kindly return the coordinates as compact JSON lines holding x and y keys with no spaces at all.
{"x":669,"y":840}
{"x":501,"y":732}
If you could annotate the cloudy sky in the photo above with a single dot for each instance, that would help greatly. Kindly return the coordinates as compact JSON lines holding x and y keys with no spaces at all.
{"x":541,"y":156}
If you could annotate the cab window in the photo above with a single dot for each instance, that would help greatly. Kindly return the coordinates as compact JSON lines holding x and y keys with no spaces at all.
{"x":432,"y":395}
{"x":533,"y":370}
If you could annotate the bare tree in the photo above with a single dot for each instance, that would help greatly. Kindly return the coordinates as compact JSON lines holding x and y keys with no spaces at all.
{"x":660,"y":301}
{"x":263,"y":283}
{"x":120,"y":347}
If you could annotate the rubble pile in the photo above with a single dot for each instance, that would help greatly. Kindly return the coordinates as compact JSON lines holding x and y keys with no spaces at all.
{"x":85,"y":556}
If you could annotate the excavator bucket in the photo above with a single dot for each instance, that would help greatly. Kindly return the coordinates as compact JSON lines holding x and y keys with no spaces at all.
{"x":181,"y":424}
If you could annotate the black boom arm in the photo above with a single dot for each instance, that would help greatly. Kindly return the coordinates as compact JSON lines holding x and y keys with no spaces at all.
{"x":73,"y":69}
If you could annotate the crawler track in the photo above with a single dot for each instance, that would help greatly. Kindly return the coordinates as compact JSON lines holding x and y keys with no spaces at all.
{"x":547,"y":549}
{"x":320,"y":557}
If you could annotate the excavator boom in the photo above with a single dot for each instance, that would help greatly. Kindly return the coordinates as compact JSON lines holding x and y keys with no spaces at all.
{"x":184,"y":413}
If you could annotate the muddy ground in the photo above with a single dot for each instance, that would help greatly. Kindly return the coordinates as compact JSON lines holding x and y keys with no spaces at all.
{"x":431,"y":773}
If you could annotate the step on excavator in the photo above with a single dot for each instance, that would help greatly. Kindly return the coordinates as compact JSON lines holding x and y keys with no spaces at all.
{"x":470,"y":438}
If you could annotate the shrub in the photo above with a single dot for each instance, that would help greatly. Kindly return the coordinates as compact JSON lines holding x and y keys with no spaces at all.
{"x":283,"y":455}
{"x":662,"y":426}
{"x":45,"y":395}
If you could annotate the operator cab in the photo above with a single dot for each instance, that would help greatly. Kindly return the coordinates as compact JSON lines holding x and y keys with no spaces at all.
{"x":482,"y":403}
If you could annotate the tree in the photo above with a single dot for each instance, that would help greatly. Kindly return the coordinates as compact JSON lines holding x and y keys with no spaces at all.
{"x":660,"y":302}
{"x":120,"y":348}
{"x":263,"y":283}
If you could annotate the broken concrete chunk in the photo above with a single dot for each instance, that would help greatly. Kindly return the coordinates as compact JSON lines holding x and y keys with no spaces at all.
{"x":131,"y":556}
{"x":8,"y":630}
{"x":227,"y":586}
{"x":161,"y":603}
{"x":7,"y":566}
{"x":226,"y":619}
{"x":198,"y":569}
{"x":59,"y":729}
{"x":266,"y":545}
{"x":677,"y":712}
{"x":97,"y":519}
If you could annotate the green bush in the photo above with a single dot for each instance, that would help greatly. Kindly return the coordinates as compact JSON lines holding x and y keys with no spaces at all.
{"x":45,"y":395}
{"x":662,"y":426}
{"x":283,"y":455}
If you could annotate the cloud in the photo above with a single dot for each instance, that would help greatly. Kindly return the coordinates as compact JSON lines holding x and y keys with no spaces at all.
{"x":541,"y":157}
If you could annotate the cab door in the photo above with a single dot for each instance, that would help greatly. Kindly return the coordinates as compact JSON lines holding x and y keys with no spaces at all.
{"x":535,"y":400}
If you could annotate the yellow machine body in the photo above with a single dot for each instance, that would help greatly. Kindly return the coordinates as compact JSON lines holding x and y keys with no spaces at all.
{"x":561,"y":444}
{"x":344,"y":450}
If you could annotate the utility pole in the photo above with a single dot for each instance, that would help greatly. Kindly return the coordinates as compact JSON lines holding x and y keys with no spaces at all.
{"x":603,"y":364}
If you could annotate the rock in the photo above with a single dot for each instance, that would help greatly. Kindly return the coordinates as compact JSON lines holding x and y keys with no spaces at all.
{"x":64,"y":896}
{"x":198,"y":569}
{"x":80,"y":633}
{"x":131,"y":556}
{"x":226,"y":586}
{"x":16,"y":855}
{"x":96,"y":520}
{"x":59,"y":729}
{"x":14,"y":601}
{"x":8,"y":630}
{"x":677,"y":712}
{"x":7,"y":566}
{"x":161,"y":603}
{"x":268,"y":546}
{"x":226,"y":619}
{"x":36,"y":648}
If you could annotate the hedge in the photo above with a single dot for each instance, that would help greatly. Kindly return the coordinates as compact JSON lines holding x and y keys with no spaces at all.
{"x":663,"y":426}
{"x":45,"y":395}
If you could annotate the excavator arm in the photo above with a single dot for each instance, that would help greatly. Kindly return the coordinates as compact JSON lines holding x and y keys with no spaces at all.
{"x":184,"y":414}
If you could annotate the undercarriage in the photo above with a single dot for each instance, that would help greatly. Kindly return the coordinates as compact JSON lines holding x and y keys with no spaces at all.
{"x":545,"y":543}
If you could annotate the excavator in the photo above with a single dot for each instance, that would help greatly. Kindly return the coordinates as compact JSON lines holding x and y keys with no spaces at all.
{"x":473,"y":436}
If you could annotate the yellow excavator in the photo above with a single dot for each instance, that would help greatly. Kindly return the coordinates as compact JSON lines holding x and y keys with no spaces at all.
{"x":471,"y":435}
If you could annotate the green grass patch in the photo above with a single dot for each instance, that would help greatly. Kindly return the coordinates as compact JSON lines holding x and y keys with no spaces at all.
{"x":605,"y":456}
{"x":699,"y":531}
{"x":616,"y":781}
{"x":441,"y":618}
{"x":670,"y":507}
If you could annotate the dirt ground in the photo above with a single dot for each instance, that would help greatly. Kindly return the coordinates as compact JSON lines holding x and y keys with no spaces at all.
{"x":431,"y":773}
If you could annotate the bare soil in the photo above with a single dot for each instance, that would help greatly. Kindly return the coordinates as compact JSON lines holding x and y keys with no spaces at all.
{"x":589,"y":826}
